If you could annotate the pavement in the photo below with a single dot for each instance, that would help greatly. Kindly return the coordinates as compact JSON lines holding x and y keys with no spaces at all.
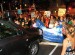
{"x":50,"y":48}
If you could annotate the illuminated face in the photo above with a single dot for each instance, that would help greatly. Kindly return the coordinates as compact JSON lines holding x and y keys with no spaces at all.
{"x":71,"y":29}
{"x":61,"y":18}
{"x":25,"y":18}
{"x":51,"y":17}
{"x":20,"y":16}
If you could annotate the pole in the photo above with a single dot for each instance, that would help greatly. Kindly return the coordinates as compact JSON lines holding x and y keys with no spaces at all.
{"x":2,"y":10}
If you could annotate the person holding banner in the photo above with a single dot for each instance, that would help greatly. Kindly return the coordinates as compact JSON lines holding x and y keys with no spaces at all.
{"x":69,"y":42}
{"x":52,"y":22}
{"x":46,"y":21}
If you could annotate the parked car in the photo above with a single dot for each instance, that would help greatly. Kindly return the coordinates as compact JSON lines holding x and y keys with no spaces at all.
{"x":16,"y":40}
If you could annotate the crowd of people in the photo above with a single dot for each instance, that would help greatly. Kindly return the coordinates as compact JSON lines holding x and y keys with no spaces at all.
{"x":49,"y":22}
{"x":68,"y":23}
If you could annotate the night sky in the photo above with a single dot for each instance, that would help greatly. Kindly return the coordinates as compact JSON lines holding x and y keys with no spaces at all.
{"x":40,"y":4}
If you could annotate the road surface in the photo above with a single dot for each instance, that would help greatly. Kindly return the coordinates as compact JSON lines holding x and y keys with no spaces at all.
{"x":49,"y":48}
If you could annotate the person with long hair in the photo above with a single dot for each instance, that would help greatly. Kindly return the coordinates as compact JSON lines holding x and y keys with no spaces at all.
{"x":69,"y":42}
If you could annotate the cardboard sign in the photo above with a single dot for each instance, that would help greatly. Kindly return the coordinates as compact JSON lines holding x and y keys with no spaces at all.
{"x":47,"y":13}
{"x":61,"y":11}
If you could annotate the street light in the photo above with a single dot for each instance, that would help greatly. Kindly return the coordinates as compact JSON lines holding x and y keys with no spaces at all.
{"x":69,"y":8}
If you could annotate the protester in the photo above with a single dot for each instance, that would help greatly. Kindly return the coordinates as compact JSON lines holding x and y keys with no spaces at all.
{"x":74,"y":21}
{"x":68,"y":42}
{"x":25,"y":22}
{"x":29,"y":23}
{"x":21,"y":19}
{"x":56,"y":23}
{"x":70,"y":21}
{"x":61,"y":20}
{"x":52,"y":22}
{"x":46,"y":21}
